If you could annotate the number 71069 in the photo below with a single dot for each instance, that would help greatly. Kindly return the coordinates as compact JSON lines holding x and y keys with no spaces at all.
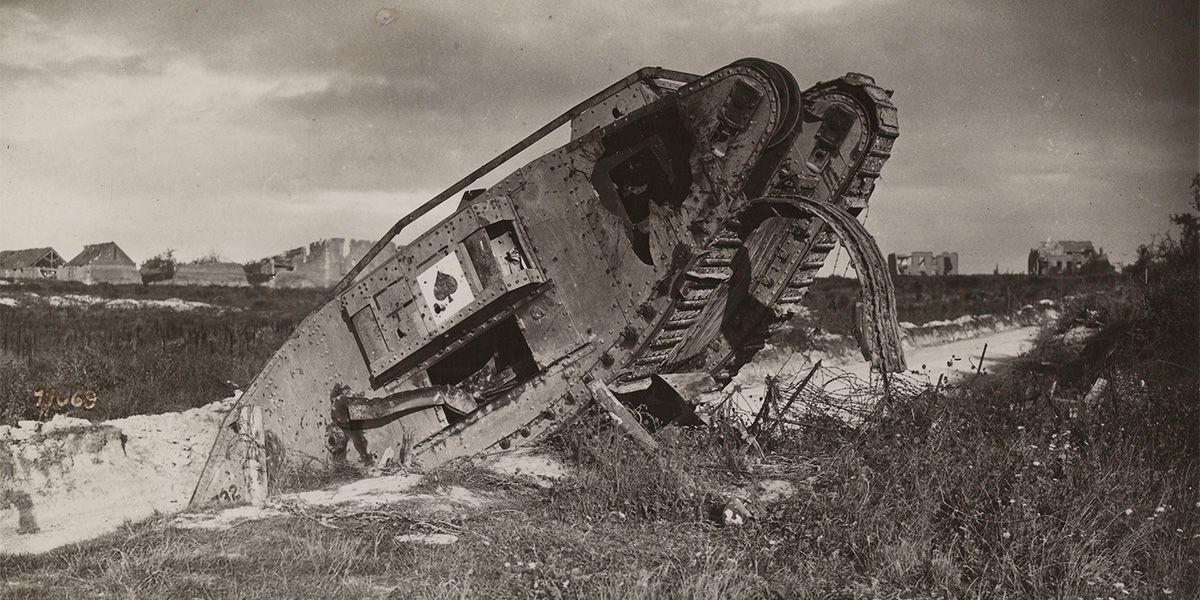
{"x":80,"y":399}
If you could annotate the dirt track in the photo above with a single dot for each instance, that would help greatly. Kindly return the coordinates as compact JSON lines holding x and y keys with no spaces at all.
{"x":956,"y":359}
{"x":953,"y":360}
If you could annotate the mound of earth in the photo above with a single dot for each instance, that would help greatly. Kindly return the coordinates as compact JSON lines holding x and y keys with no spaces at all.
{"x":69,"y":480}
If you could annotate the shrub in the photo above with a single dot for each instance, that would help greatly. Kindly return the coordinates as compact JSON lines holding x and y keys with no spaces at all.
{"x":159,"y":268}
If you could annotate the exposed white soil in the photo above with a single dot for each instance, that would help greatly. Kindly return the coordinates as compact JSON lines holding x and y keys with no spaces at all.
{"x":68,"y":480}
{"x":390,"y":490}
{"x":526,"y":463}
{"x":433,"y":539}
{"x":87,"y":301}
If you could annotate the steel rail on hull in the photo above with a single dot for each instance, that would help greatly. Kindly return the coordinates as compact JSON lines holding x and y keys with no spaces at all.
{"x":646,"y":74}
{"x":639,"y":75}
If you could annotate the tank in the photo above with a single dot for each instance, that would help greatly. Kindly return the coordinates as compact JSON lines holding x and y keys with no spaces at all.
{"x":646,"y":261}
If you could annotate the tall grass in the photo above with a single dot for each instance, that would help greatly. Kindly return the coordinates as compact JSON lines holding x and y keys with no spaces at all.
{"x":139,"y":361}
{"x":1016,"y":485}
{"x":923,"y":299}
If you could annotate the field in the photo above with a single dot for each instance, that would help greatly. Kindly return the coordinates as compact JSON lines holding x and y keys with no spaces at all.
{"x":146,"y":359}
{"x":136,"y":357}
{"x":1019,"y":484}
{"x":962,"y":493}
{"x":923,"y":299}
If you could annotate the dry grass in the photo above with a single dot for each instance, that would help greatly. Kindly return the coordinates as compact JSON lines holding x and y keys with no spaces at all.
{"x":1000,"y":489}
{"x":139,"y":361}
{"x":952,"y":495}
{"x":1012,"y":487}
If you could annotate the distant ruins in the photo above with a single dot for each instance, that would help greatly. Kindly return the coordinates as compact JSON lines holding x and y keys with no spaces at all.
{"x":1061,"y":258}
{"x":923,"y":263}
{"x":101,"y":263}
{"x":30,"y":263}
{"x":228,"y":274}
{"x":318,"y":265}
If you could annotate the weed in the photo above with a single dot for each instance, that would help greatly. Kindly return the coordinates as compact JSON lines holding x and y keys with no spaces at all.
{"x":138,"y":360}
{"x":297,"y":475}
{"x":1015,"y":486}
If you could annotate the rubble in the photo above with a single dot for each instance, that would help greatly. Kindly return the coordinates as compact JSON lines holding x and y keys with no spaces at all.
{"x":735,"y":513}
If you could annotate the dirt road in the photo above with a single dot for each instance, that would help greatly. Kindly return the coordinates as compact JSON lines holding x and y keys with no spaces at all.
{"x":960,"y":358}
{"x":952,"y":360}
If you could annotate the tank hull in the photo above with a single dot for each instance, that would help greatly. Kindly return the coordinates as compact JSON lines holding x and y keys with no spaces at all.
{"x":684,"y":220}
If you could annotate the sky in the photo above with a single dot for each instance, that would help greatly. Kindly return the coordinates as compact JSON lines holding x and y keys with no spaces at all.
{"x":248,"y":128}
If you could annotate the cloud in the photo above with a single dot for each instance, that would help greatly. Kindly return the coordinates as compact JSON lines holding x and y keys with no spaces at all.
{"x":1022,"y":115}
{"x":27,"y":41}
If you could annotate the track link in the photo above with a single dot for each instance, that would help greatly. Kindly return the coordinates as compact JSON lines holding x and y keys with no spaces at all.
{"x":714,"y":267}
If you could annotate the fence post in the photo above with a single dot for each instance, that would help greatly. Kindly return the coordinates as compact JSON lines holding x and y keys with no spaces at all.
{"x":255,"y":465}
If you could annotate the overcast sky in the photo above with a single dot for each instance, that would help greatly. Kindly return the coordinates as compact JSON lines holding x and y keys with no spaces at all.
{"x":253,"y":127}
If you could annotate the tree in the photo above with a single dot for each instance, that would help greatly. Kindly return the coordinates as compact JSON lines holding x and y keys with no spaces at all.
{"x":159,"y":268}
{"x":1187,"y":250}
{"x":1172,"y":256}
{"x":213,"y":257}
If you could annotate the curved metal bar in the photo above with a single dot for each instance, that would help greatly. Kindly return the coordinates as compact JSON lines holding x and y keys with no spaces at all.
{"x":348,"y":408}
{"x":639,"y":75}
{"x":881,"y":331}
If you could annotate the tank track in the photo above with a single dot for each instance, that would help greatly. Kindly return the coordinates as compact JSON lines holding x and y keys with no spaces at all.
{"x":714,"y":267}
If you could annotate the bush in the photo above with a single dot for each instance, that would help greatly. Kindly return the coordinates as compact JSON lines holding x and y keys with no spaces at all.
{"x":159,"y":268}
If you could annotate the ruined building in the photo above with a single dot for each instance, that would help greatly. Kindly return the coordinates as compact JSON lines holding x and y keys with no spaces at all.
{"x":228,"y":274}
{"x":1055,"y":258}
{"x":320,"y":264}
{"x":31,"y":263}
{"x":923,"y":263}
{"x":101,"y":263}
